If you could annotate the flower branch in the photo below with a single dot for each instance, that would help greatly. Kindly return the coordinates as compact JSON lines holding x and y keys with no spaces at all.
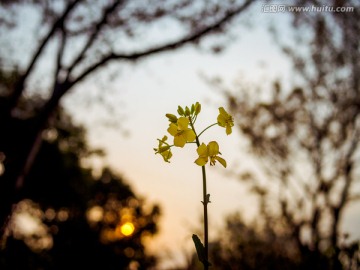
{"x":182,"y":129}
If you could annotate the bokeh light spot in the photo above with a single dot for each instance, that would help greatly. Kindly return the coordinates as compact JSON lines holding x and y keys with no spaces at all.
{"x":127,"y":228}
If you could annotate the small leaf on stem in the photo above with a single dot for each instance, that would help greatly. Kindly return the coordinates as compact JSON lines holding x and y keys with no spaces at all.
{"x":200,"y":250}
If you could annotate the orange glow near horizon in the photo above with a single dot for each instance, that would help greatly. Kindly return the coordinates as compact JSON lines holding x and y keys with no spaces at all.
{"x":127,"y":228}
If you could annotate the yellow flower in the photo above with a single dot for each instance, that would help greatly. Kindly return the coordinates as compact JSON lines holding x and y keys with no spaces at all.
{"x":225,"y":120}
{"x":164,"y":149}
{"x":211,"y":152}
{"x":181,"y":132}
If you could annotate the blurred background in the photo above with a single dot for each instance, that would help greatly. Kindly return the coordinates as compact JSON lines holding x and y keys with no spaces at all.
{"x":84,"y":89}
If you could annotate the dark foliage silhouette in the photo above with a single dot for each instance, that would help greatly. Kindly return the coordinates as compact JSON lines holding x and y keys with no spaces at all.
{"x":80,"y":216}
{"x":75,"y":40}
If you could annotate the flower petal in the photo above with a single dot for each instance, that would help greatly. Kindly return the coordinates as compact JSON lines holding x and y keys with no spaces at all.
{"x":201,"y":161}
{"x":163,"y":148}
{"x":189,"y":135}
{"x":166,"y":155}
{"x":179,"y":141}
{"x":223,"y":112}
{"x":183,"y":123}
{"x":221,"y":120}
{"x":221,"y":160}
{"x":228,"y":129}
{"x":172,"y":129}
{"x":202,"y":150}
{"x":213,"y":148}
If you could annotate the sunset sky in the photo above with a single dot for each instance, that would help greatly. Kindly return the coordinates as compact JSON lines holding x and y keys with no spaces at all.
{"x":145,"y":92}
{"x":123,"y":104}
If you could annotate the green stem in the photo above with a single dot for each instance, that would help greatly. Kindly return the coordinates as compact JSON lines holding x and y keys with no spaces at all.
{"x":206,"y":234}
{"x":207,"y":129}
{"x":205,"y":202}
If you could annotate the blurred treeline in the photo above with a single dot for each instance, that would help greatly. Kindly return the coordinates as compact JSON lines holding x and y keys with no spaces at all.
{"x":55,"y":213}
{"x":305,"y":137}
{"x":68,"y":217}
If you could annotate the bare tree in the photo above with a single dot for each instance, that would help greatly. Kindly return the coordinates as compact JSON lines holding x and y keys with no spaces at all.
{"x":84,"y":36}
{"x":307,"y":137}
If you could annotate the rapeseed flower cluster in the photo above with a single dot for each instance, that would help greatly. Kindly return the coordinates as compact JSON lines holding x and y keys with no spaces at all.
{"x":182,"y":129}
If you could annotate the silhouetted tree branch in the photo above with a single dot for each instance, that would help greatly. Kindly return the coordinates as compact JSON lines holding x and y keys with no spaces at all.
{"x":82,"y":31}
{"x":307,"y":136}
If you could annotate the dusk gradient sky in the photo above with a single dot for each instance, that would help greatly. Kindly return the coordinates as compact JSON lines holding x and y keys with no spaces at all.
{"x":146,"y":92}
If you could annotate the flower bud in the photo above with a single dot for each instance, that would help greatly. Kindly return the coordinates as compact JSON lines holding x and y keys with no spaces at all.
{"x":172,"y":118}
{"x":180,"y":111}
